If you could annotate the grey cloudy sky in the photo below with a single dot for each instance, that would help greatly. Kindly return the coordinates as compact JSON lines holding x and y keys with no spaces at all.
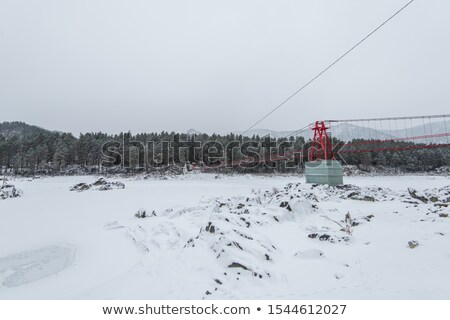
{"x":143,"y":65}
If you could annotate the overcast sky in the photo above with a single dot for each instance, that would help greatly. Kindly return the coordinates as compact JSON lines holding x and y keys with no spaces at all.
{"x":144,"y":65}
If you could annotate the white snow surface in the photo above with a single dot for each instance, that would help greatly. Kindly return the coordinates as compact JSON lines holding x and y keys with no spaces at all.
{"x":237,"y":237}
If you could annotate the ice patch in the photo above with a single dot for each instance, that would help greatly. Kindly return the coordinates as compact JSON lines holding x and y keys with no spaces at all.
{"x":29,"y":266}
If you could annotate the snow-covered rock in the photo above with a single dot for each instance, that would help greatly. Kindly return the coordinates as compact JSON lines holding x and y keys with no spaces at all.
{"x":9,"y":191}
{"x":100,"y":184}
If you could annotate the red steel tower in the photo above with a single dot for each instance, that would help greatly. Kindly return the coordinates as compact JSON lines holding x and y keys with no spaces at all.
{"x":321,"y":144}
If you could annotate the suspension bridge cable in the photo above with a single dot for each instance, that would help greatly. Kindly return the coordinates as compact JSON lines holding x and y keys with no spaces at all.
{"x":406,"y":129}
{"x":391,"y":118}
{"x":396,"y":129}
{"x":348,"y":132}
{"x":412,"y":127}
{"x":424,"y":128}
{"x":431,"y":130}
{"x":329,"y":66}
{"x":377,"y":132}
{"x":445,"y":125}
{"x":296,"y":132}
{"x":383,"y":136}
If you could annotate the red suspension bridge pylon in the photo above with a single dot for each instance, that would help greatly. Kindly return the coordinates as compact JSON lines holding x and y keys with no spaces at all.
{"x":321,"y":148}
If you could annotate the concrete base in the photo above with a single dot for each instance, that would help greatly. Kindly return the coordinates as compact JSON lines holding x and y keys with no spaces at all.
{"x":324,"y":172}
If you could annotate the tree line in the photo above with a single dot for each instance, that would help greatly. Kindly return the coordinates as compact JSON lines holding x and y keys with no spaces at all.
{"x":38,"y":151}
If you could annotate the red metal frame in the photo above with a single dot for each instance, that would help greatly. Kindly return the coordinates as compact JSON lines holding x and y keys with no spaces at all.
{"x":320,"y":143}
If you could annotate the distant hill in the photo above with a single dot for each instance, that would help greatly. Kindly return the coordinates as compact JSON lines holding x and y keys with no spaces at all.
{"x":19,"y":129}
{"x":193,"y":131}
{"x":265,"y":132}
{"x":342,"y":131}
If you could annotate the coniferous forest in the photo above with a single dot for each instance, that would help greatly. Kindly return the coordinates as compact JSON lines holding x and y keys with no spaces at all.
{"x":28,"y":150}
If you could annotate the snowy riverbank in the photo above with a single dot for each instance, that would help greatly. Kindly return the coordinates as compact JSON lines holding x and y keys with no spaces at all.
{"x":246,"y":237}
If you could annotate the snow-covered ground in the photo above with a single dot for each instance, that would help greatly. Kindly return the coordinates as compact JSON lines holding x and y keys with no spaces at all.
{"x":237,"y":237}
